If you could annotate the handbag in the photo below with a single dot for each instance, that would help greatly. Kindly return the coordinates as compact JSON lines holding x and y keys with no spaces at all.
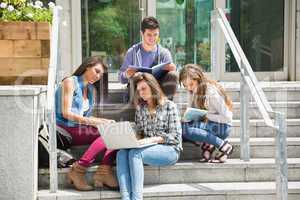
{"x":64,"y":140}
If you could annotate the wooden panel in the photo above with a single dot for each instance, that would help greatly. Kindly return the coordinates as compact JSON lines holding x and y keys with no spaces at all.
{"x":43,"y":31}
{"x":45,"y":48}
{"x":27,"y":48}
{"x":23,"y":80}
{"x":17,"y":31}
{"x":13,"y":80}
{"x":6,"y":48}
{"x":24,"y":30}
{"x":24,"y":52}
{"x":39,"y":80}
{"x":45,"y":63}
{"x":6,"y":67}
{"x":28,"y":66}
{"x":21,"y":67}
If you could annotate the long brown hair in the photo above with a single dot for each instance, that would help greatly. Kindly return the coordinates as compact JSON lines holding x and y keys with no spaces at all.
{"x":89,"y":62}
{"x":157,"y":93}
{"x":194,"y":72}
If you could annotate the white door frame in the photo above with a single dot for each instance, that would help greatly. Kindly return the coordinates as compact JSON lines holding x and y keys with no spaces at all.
{"x":76,"y":41}
{"x":151,"y":8}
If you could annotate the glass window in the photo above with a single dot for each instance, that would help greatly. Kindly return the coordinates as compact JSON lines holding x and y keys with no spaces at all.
{"x":109,"y":28}
{"x":259,"y":26}
{"x":185,"y":30}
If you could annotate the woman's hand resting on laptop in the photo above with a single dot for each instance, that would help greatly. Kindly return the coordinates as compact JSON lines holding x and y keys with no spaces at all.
{"x":149,"y":140}
{"x":96,"y":120}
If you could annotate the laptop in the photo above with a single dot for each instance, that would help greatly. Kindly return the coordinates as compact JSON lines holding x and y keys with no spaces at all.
{"x":121,"y":135}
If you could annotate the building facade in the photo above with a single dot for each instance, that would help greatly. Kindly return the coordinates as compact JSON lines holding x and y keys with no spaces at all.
{"x":267,"y":30}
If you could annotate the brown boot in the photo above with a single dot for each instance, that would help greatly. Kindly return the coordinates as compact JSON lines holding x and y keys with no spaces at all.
{"x":76,"y":177}
{"x":104,"y":176}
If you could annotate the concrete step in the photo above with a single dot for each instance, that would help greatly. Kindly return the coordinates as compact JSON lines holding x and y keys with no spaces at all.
{"x":234,"y":170}
{"x":258,"y":128}
{"x":259,"y":148}
{"x":121,"y":112}
{"x":275,"y":91}
{"x":203,"y":191}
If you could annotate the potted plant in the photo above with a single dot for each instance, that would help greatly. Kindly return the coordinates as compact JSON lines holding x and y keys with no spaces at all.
{"x":24,"y":41}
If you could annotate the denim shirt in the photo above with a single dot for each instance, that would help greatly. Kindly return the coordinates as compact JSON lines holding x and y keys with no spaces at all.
{"x":166,"y":123}
{"x":77,"y":102}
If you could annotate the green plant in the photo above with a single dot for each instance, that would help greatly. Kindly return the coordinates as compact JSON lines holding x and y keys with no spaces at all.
{"x":15,"y":3}
{"x":107,"y":28}
{"x":22,"y":10}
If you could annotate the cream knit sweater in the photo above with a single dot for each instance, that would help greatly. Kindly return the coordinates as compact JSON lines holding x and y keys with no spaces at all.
{"x":216,"y":107}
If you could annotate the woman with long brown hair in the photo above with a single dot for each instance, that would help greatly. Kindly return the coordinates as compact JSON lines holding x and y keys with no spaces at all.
{"x":74,"y":101}
{"x":214,"y":129}
{"x":157,"y":120}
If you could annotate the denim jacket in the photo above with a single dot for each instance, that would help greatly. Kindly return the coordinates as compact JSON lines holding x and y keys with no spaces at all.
{"x":77,"y":102}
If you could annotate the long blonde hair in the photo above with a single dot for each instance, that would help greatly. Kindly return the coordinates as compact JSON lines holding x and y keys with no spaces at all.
{"x":157,"y":93}
{"x":194,"y":72}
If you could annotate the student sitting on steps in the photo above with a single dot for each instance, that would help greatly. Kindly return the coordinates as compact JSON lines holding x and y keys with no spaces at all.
{"x":214,"y":129}
{"x":157,"y":119}
{"x":147,"y":54}
{"x":74,"y":100}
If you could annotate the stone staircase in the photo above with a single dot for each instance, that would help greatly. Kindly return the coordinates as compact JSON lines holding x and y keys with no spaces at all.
{"x":189,"y":179}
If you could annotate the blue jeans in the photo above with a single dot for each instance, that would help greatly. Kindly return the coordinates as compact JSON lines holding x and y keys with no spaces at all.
{"x":130,"y":168}
{"x":210,"y":132}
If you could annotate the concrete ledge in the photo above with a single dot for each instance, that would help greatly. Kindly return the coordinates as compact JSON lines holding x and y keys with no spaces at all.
{"x":20,"y":111}
{"x":22,"y":90}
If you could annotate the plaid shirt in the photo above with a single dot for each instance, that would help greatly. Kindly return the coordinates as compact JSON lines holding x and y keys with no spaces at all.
{"x":165,"y":123}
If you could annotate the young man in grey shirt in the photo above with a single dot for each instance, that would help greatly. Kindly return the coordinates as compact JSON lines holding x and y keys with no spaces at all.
{"x":148,"y":54}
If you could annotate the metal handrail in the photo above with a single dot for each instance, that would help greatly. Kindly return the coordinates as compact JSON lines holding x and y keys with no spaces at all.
{"x":50,"y":106}
{"x":241,"y":59}
{"x":249,"y":84}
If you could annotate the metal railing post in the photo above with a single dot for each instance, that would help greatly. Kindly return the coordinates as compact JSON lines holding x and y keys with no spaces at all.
{"x":50,"y":109}
{"x":281,"y":157}
{"x":244,"y":116}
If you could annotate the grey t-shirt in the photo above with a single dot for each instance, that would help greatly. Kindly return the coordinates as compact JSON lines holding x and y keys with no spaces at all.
{"x":138,"y":57}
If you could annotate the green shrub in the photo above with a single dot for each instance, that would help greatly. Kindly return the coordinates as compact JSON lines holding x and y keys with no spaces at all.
{"x":15,"y":3}
{"x":22,"y":10}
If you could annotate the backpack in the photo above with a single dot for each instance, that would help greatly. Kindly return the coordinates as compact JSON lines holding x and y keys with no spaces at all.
{"x":64,"y":159}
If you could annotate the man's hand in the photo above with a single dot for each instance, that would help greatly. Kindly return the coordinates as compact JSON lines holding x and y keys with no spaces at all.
{"x":130,"y":72}
{"x":170,"y":67}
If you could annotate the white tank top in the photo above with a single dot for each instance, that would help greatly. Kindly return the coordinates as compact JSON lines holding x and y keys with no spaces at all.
{"x":85,"y":105}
